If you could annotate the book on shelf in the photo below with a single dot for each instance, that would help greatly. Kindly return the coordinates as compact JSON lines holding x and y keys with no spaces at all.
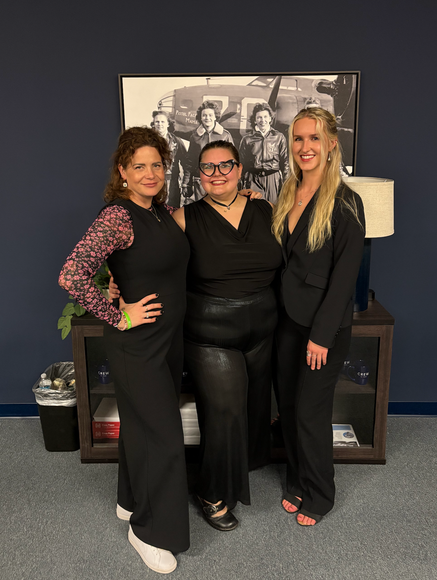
{"x":106,"y":421}
{"x":100,"y":432}
{"x":192,"y":439}
{"x":187,"y":403}
{"x":343,"y":435}
{"x":190,"y":424}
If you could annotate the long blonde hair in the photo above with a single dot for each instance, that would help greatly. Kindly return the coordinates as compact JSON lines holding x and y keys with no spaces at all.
{"x":320,"y":228}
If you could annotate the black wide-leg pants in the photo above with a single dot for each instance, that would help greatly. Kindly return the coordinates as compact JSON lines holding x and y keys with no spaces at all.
{"x":146,"y":363}
{"x":228,"y":345}
{"x":305,"y":405}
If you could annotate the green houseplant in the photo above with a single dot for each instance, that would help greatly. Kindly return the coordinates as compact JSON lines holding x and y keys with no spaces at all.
{"x":101,"y":280}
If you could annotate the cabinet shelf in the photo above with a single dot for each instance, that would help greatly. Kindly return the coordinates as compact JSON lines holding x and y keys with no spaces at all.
{"x":363,"y":406}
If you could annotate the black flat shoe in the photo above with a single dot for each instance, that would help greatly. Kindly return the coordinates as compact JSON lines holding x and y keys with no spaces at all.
{"x":224,"y":523}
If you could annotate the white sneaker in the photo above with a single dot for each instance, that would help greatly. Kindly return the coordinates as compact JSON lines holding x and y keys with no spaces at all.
{"x":123,"y":514}
{"x":156,"y":559}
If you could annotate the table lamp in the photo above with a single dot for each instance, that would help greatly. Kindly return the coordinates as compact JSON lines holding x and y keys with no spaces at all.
{"x":378,"y":199}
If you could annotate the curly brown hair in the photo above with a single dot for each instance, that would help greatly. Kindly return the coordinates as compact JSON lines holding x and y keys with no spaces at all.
{"x":257,"y":108}
{"x":128,"y":143}
{"x":208,"y":105}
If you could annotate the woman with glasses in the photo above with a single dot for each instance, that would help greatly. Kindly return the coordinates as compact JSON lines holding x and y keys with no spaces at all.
{"x":228,"y":330}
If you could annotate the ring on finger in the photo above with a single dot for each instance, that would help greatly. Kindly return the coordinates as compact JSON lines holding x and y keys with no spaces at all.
{"x":147,"y":315}
{"x":313,"y":356}
{"x":308,"y":353}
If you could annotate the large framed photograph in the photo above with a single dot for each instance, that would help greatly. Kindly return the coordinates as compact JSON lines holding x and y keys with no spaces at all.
{"x":254,"y":112}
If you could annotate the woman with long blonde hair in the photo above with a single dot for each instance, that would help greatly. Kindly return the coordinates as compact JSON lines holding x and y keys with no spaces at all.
{"x":319,"y":223}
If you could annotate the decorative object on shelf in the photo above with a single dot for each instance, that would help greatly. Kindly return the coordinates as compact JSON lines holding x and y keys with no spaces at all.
{"x":358,"y":372}
{"x":346,"y":364}
{"x":101,"y":280}
{"x":378,"y":199}
{"x":103,"y":373}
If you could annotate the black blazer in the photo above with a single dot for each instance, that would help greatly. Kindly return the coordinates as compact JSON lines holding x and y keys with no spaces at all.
{"x":317,"y":288}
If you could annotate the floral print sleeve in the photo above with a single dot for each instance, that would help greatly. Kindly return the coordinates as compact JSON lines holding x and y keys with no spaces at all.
{"x":112,"y":230}
{"x":170,"y":208}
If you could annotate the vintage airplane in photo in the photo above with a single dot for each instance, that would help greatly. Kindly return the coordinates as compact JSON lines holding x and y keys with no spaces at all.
{"x":286,"y":95}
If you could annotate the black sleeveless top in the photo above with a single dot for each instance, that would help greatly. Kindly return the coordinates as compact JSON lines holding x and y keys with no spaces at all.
{"x":227,"y":262}
{"x":157,"y":259}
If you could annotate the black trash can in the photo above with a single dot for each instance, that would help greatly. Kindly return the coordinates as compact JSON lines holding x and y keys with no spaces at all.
{"x":58,"y":410}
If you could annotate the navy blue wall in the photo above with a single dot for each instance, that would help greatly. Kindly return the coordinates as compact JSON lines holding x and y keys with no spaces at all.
{"x":60,"y":122}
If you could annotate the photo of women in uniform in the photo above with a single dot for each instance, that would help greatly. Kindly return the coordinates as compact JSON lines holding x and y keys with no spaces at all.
{"x":209,"y":130}
{"x":253,"y":112}
{"x":264,"y":155}
{"x":173,"y":176}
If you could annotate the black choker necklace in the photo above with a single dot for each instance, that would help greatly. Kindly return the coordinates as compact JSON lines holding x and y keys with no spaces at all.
{"x":228,"y":207}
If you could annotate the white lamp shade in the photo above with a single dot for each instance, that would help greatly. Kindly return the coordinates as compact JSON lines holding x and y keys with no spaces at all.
{"x":378,"y":199}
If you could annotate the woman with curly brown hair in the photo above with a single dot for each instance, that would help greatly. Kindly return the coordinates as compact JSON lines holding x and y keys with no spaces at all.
{"x":148,"y":254}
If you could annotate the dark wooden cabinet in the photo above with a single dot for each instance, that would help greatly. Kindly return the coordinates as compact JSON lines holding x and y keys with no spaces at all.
{"x":362,"y":406}
{"x":88,"y":354}
{"x":366,"y":406}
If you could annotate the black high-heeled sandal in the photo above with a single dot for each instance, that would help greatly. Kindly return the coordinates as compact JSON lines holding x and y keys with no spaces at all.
{"x":223,"y":523}
{"x":314,"y":517}
{"x":296,"y":502}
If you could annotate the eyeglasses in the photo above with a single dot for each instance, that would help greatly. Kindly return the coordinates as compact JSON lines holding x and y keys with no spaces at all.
{"x":224,"y":167}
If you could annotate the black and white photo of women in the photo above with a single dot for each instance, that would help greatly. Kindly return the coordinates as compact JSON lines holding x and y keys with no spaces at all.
{"x":209,"y":130}
{"x":163,"y":124}
{"x":264,"y":155}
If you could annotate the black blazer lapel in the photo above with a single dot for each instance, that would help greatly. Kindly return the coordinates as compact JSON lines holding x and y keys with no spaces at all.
{"x":284,"y":242}
{"x":301,"y":225}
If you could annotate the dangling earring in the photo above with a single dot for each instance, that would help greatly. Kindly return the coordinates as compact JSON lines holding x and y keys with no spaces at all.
{"x":329,"y":156}
{"x":124,"y":183}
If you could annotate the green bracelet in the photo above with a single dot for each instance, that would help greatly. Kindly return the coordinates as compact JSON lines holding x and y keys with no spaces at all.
{"x":128,"y":320}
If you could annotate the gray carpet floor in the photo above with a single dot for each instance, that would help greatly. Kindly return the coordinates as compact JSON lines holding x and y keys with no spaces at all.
{"x":58,"y":519}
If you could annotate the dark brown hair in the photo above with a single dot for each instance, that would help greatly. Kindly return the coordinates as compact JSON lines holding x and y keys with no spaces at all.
{"x":208,"y":105}
{"x":221,"y":145}
{"x":128,"y":143}
{"x":257,"y":108}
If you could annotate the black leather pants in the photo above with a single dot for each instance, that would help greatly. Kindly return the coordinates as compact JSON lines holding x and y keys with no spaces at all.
{"x":228,"y":346}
